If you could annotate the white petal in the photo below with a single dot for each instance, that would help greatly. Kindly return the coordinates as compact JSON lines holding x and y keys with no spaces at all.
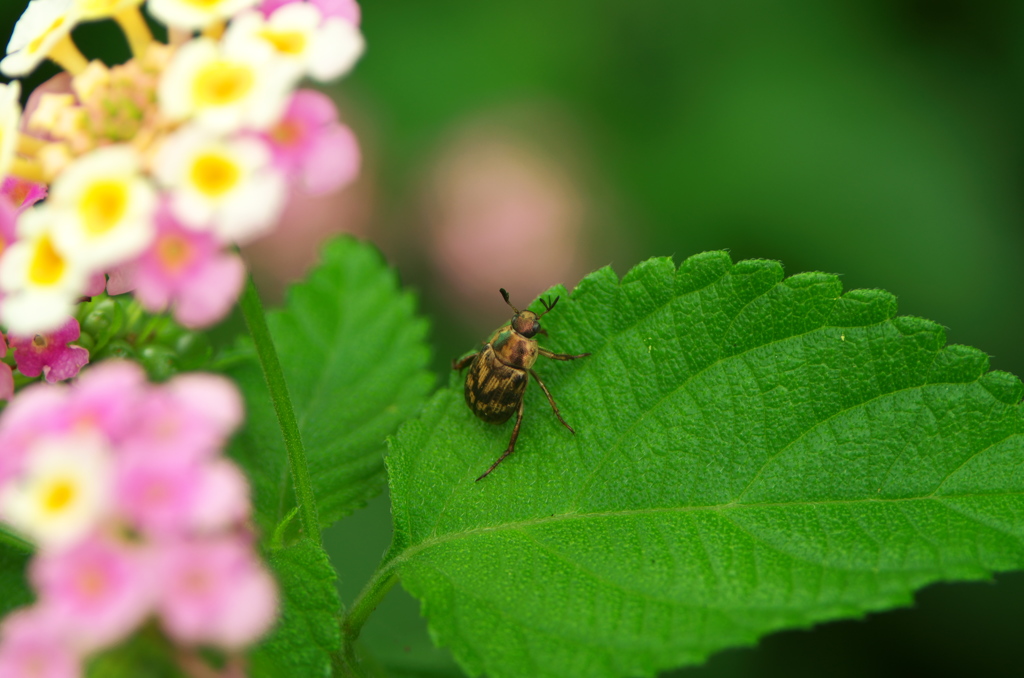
{"x":253,"y":211}
{"x":336,"y":50}
{"x":28,"y":313}
{"x":189,"y":15}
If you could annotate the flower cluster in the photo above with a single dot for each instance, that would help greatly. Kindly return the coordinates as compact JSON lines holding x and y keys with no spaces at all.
{"x":50,"y":354}
{"x":135,"y":516}
{"x":158,"y":167}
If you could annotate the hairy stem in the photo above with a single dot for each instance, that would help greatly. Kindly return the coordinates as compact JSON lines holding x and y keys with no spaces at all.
{"x":369,"y":598}
{"x":252,"y":309}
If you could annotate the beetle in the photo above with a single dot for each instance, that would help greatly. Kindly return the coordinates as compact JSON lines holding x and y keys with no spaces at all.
{"x":498,"y":373}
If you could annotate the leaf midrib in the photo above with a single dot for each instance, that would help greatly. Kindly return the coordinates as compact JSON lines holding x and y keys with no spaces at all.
{"x":410,"y":552}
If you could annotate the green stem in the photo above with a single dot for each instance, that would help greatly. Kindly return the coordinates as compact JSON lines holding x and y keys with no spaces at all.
{"x":252,"y":309}
{"x":369,"y":598}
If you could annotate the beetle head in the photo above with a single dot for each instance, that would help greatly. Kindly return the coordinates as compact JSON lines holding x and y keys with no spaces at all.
{"x":527,"y":323}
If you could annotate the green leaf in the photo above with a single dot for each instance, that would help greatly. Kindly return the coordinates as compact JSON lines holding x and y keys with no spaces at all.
{"x":353,"y":353}
{"x":14,"y":589}
{"x":307,"y":631}
{"x":752,"y":453}
{"x":145,"y":654}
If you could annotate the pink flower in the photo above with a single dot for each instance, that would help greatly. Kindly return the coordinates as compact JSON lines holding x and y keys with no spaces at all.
{"x":8,"y":223}
{"x":188,"y":419}
{"x":215,"y":592}
{"x":6,"y":374}
{"x":28,"y":418}
{"x":21,"y":193}
{"x":105,"y":398}
{"x":32,"y":645}
{"x":157,"y":493}
{"x":101,"y":589}
{"x":84,"y":466}
{"x":310,"y":144}
{"x":185,"y":269}
{"x":50,"y":354}
{"x":343,"y":9}
{"x":222,"y":497}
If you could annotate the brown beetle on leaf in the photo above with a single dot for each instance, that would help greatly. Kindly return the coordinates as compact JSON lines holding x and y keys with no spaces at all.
{"x":497,"y":377}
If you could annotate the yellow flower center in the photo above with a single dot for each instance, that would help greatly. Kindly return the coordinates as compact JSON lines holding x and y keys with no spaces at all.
{"x":103,"y":206}
{"x":47,"y":266}
{"x":223,"y":82}
{"x":36,"y":44}
{"x":173,"y":251}
{"x":214,"y":175}
{"x":203,"y":4}
{"x":59,"y":496}
{"x":286,"y":42}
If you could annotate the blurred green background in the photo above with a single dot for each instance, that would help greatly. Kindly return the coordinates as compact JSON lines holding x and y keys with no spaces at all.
{"x":533,"y":141}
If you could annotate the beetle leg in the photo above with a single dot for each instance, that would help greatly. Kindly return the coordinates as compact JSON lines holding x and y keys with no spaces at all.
{"x":559,"y":356}
{"x":459,"y":364}
{"x":552,"y":401}
{"x":511,"y":444}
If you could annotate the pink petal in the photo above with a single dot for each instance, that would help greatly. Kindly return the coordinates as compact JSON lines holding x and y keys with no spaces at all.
{"x":97,"y":283}
{"x":121,"y":280}
{"x":223,"y":497}
{"x":211,"y":397}
{"x":157,"y":494}
{"x":345,"y":9}
{"x":8,"y":223}
{"x":107,"y":397}
{"x":6,"y":382}
{"x":313,"y":107}
{"x":73,"y":359}
{"x":153,"y":292}
{"x":50,"y":353}
{"x":333,"y":162}
{"x":209,"y":294}
{"x":22,"y":193}
{"x":38,"y":411}
{"x":101,"y":588}
{"x":216,"y":592}
{"x":33,"y":643}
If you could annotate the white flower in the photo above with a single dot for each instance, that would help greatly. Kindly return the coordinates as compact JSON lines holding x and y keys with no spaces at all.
{"x":43,"y":24}
{"x":225,"y":91}
{"x":101,"y":9}
{"x":41,"y":285}
{"x":190,"y":14}
{"x":299,"y":35}
{"x":225,"y":186}
{"x":10,"y":119}
{"x":103,"y":208}
{"x":63,"y":492}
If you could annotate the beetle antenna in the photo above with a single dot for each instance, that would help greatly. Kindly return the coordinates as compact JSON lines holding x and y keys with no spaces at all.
{"x":504,"y":295}
{"x":547,"y":306}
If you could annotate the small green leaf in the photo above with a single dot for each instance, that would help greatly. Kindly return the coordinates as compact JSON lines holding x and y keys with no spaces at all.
{"x":753,"y":453}
{"x":307,"y":631}
{"x":353,"y":353}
